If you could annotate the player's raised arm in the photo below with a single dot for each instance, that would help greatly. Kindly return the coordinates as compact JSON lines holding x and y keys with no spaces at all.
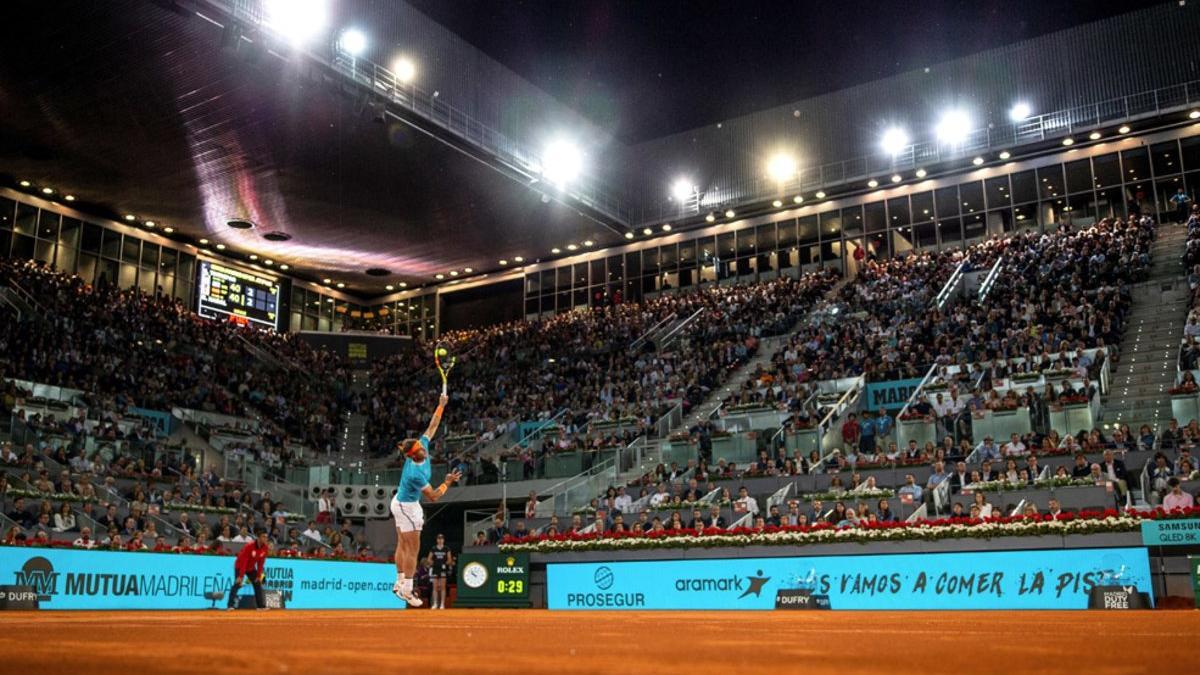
{"x":433,"y":495}
{"x":437,"y":417}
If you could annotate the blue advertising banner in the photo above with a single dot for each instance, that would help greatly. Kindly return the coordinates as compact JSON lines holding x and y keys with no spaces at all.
{"x":1059,"y":579}
{"x":1171,"y":532}
{"x":891,"y":395}
{"x":77,"y":579}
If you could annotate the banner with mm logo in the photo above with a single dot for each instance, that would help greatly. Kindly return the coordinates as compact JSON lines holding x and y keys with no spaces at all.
{"x":79,"y":579}
{"x":891,"y":395}
{"x":1053,"y":579}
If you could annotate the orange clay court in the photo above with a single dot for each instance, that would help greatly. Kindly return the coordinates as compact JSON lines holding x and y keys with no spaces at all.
{"x":531,"y":642}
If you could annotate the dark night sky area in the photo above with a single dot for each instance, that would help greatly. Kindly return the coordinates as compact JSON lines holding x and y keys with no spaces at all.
{"x":647,"y":68}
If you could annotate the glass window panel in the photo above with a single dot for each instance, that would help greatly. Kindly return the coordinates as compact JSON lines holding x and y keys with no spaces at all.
{"x":996,"y":192}
{"x":999,"y":222}
{"x":766,"y":237}
{"x":875,"y":216}
{"x":1190,"y":151}
{"x":533,"y":283}
{"x":150,"y":255}
{"x":1024,"y":187}
{"x":1107,"y":169}
{"x":581,"y":275}
{"x":1136,"y":164}
{"x":785,"y":234}
{"x":616,"y":268}
{"x":1192,"y":183}
{"x":831,"y":228}
{"x":902,"y":241}
{"x":187,"y":270}
{"x":64,"y":258}
{"x":971,"y":195}
{"x":580,"y":297}
{"x":1025,"y":216}
{"x":687,"y":254}
{"x":898,"y":215}
{"x":926,"y":236}
{"x":726,"y":247}
{"x":1110,"y":202}
{"x":128,"y":275}
{"x":1079,"y":210}
{"x":5,"y":242}
{"x":598,"y":271}
{"x":44,"y":251}
{"x":947,"y":202}
{"x":806,"y":229}
{"x":26,"y":222}
{"x":670,"y":257}
{"x":650,"y":260}
{"x":877,"y":246}
{"x":1079,"y":176}
{"x":974,"y":228}
{"x":112,"y":244}
{"x":1165,"y":157}
{"x":746,"y":241}
{"x":549,"y":283}
{"x":1050,"y":181}
{"x":68,"y":235}
{"x":48,"y":225}
{"x":633,"y":264}
{"x":22,"y":247}
{"x":87,"y":267}
{"x":7,"y":209}
{"x":131,"y":250}
{"x":146,"y":281}
{"x":852,"y":221}
{"x":563,"y":278}
{"x":91,"y":238}
{"x":1050,"y":213}
{"x":1139,"y":197}
{"x":922,"y":207}
{"x":950,"y":231}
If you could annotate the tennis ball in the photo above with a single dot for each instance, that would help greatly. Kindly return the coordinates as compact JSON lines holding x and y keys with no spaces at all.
{"x":442,"y":351}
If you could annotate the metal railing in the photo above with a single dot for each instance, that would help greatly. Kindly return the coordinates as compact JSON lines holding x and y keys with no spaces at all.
{"x":943,"y":295}
{"x":674,"y":332}
{"x":990,"y":279}
{"x":644,"y":337}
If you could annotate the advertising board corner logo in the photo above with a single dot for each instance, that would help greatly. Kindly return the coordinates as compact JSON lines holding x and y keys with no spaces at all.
{"x":603,"y":578}
{"x":756,"y":585}
{"x":38,"y":573}
{"x":510,"y":561}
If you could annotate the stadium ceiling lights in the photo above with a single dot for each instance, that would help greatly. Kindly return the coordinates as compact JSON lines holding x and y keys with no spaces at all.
{"x":730,"y":213}
{"x":781,"y":167}
{"x":921,"y":173}
{"x":798,"y":199}
{"x":647,"y":231}
{"x":710,"y":218}
{"x":682,"y":188}
{"x":69,"y":198}
{"x":25,"y":183}
{"x":353,"y":42}
{"x":872,"y":183}
{"x":439,"y":276}
{"x":1004,"y":154}
{"x":588,"y":242}
{"x":894,"y":140}
{"x":896,"y":178}
{"x":1020,"y":111}
{"x":298,"y":21}
{"x":1095,"y":135}
{"x":666,"y":227}
{"x":777,"y":203}
{"x":953,"y":128}
{"x":1124,"y":129}
{"x":1068,"y":141}
{"x":820,"y":194}
{"x":629,"y":235}
{"x":561,"y":162}
{"x":519,"y":259}
{"x":390,"y":287}
{"x":977,"y":161}
{"x":404,"y":69}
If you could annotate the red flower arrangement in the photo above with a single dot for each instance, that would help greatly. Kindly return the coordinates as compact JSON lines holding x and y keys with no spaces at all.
{"x":1183,"y":388}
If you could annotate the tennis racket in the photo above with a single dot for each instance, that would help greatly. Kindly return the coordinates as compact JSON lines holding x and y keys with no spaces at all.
{"x":444,"y":370}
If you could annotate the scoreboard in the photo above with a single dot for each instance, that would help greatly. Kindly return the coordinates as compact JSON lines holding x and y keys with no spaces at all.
{"x":228,"y":294}
{"x":493,"y":580}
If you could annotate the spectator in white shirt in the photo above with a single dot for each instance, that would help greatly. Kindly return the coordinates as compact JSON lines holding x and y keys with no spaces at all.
{"x":622,"y":501}
{"x":312,"y":532}
{"x":748,"y":504}
{"x":662,"y":496}
{"x":531,"y":506}
{"x":1014,"y":446}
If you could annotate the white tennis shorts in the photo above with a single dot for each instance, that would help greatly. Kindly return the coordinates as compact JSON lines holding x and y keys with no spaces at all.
{"x":409,"y":515}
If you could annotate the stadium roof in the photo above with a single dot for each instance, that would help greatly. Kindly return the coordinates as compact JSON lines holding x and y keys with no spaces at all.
{"x":166,"y":111}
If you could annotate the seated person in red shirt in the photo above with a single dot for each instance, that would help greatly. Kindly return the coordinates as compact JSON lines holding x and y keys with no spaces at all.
{"x":250,"y":562}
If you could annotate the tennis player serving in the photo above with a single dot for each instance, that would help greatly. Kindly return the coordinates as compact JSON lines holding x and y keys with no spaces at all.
{"x":406,"y":505}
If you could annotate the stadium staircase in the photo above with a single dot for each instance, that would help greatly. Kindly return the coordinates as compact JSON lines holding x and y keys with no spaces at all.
{"x":1150,"y":345}
{"x":19,"y":300}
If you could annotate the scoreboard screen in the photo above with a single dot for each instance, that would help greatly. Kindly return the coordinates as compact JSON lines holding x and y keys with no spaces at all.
{"x":228,"y":294}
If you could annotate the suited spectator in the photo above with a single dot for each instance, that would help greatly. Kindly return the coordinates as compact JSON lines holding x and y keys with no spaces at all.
{"x":1081,"y":468}
{"x":1053,"y":507}
{"x":745,"y":502}
{"x":497,"y":531}
{"x":519,"y":529}
{"x":960,"y":478}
